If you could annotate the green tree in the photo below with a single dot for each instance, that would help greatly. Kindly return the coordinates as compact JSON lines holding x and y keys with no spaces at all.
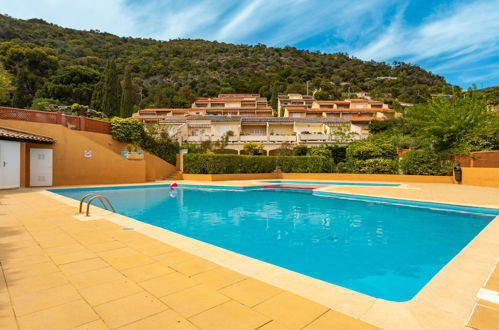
{"x":22,"y":97}
{"x":453,"y":125}
{"x":97,"y":96}
{"x":253,"y":148}
{"x":71,"y":84}
{"x":111,"y":91}
{"x":126,"y":106}
{"x":6,"y":86}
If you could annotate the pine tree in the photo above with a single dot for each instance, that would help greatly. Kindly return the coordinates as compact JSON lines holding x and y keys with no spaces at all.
{"x":111,"y":93}
{"x":22,"y":97}
{"x":273,"y":99}
{"x":126,"y":107}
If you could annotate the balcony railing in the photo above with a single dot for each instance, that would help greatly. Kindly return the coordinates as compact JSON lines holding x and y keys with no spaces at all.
{"x":313,"y":137}
{"x":253,"y":138}
{"x":282,"y":138}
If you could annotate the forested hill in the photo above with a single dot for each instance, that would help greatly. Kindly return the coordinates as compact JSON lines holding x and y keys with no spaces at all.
{"x":173,"y":73}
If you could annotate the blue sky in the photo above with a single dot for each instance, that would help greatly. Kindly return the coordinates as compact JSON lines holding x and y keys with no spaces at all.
{"x":454,"y":38}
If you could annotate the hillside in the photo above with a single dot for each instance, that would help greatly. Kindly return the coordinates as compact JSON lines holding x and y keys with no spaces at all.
{"x":173,"y":73}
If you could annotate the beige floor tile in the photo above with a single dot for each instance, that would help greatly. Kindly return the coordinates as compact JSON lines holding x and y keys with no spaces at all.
{"x":194,"y":300}
{"x":335,"y":320}
{"x":7,"y":317}
{"x":125,"y":258}
{"x":174,"y":257}
{"x":95,"y":277}
{"x":230,"y":315}
{"x":105,"y":246}
{"x":123,"y":311}
{"x":65,"y":258}
{"x":64,"y":316}
{"x":219,"y":278}
{"x":146,"y":272}
{"x":484,"y":318}
{"x":35,"y":283}
{"x":194,"y":266}
{"x":26,"y":271}
{"x":43,"y":299}
{"x":168,"y":284}
{"x":151,"y":247}
{"x":99,"y":294}
{"x":165,"y":320}
{"x":273,"y":325}
{"x":488,"y":304}
{"x":291,"y":310}
{"x":250,"y":292}
{"x":94,"y":325}
{"x":493,"y":284}
{"x":8,"y":262}
{"x":83,"y":266}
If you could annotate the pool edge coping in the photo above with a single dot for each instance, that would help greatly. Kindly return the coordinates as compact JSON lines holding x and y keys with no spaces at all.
{"x":366,"y":308}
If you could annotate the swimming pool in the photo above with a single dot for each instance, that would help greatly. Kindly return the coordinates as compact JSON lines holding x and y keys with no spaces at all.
{"x":378,"y":248}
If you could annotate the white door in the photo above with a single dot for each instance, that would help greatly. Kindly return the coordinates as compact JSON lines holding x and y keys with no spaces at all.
{"x":10,"y":164}
{"x":40,"y":167}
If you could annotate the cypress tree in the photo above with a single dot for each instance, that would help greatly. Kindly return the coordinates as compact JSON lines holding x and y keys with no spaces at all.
{"x":22,"y":97}
{"x":126,"y":107}
{"x":111,"y":93}
{"x":97,"y":96}
{"x":273,"y":99}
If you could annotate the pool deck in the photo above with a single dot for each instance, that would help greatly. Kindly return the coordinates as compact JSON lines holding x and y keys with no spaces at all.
{"x":59,"y":271}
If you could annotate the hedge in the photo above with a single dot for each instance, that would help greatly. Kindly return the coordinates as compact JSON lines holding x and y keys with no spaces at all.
{"x":425,"y":162}
{"x":232,"y":164}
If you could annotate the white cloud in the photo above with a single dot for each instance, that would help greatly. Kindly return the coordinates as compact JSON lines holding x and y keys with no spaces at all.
{"x":466,"y":30}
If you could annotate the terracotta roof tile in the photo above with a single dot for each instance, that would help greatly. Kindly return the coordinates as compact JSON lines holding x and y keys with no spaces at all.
{"x":8,"y":134}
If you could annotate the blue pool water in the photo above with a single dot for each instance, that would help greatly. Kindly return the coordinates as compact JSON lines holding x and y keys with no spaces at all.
{"x":381,"y":249}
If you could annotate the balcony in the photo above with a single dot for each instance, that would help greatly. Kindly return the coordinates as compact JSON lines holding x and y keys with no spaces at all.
{"x":253,"y":138}
{"x":313,"y":137}
{"x":198,"y":138}
{"x":282,"y":138}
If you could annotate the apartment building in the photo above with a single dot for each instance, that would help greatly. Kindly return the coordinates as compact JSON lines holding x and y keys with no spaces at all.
{"x":294,"y":100}
{"x":272,"y":132}
{"x":248,"y":105}
{"x":359,"y":112}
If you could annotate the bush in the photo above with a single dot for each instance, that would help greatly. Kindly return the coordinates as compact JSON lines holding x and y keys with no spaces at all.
{"x":162,"y":146}
{"x":425,"y":162}
{"x":232,"y":164}
{"x":128,"y":130}
{"x":338,"y":153}
{"x":320,"y":151}
{"x":300,"y":150}
{"x":374,"y":166}
{"x":371,"y":148}
{"x":253,"y":148}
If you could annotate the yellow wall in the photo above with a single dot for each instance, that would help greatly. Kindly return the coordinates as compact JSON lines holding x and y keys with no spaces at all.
{"x":479,"y":176}
{"x":106,"y":166}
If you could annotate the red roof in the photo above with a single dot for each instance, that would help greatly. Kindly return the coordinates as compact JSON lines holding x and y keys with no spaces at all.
{"x":9,"y":134}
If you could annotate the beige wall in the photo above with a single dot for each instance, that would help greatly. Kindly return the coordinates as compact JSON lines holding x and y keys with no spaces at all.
{"x":477,"y":176}
{"x":106,"y":166}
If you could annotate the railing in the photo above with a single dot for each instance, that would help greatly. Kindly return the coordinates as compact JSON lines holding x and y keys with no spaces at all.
{"x":253,"y":138}
{"x":103,"y":200}
{"x":313,"y":137}
{"x":72,"y":122}
{"x":282,"y":138}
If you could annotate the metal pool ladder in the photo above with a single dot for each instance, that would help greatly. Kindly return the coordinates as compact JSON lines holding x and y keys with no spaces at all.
{"x":100,"y":198}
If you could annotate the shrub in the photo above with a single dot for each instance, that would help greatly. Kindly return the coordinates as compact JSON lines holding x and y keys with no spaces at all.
{"x":128,"y":130}
{"x":232,"y":164}
{"x":300,"y":150}
{"x":163,"y":147}
{"x":338,"y":153}
{"x":425,"y":162}
{"x":370,"y":148}
{"x":320,"y":151}
{"x":253,"y":148}
{"x":374,"y":166}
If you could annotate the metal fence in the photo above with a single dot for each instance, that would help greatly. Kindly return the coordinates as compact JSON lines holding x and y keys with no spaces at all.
{"x":73,"y":122}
